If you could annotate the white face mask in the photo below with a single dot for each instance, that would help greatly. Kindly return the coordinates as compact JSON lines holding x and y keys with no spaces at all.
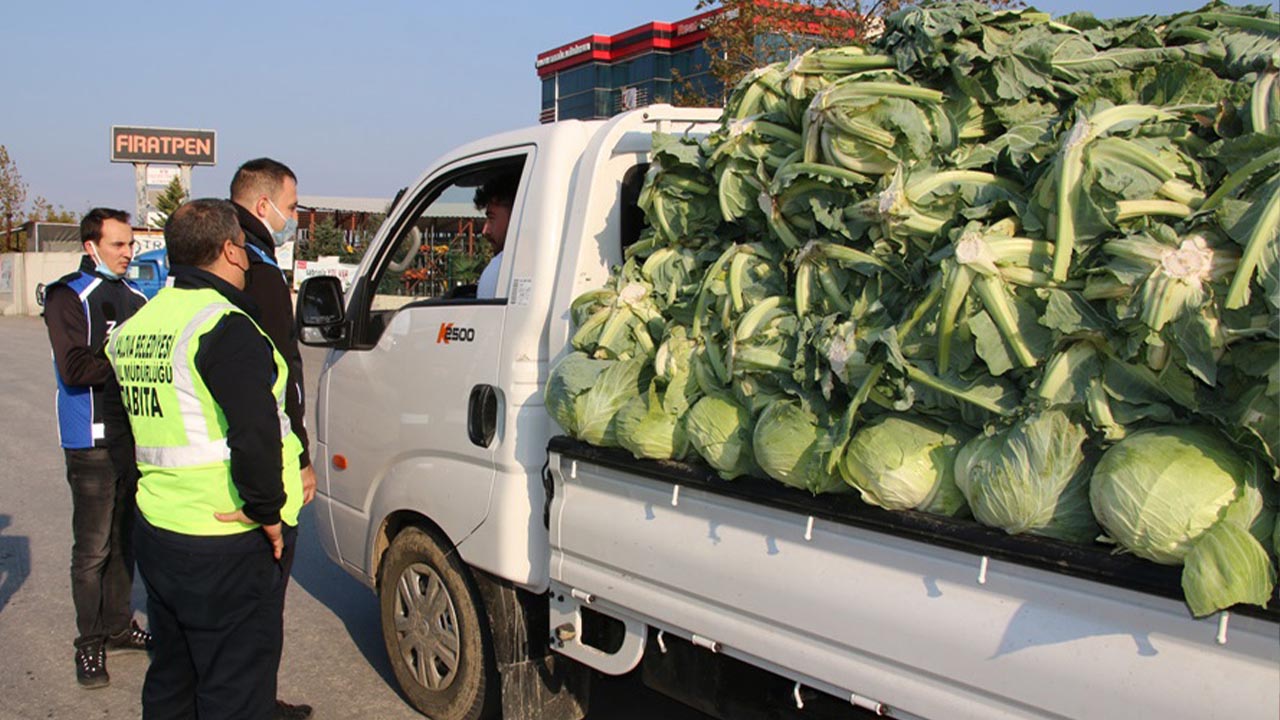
{"x":101,"y":268}
{"x":285,"y":234}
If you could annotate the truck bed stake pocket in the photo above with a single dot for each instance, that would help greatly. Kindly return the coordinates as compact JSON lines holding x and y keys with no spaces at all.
{"x":707,"y":643}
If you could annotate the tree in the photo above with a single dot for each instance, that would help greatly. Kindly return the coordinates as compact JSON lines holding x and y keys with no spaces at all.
{"x":13,"y":193}
{"x":43,"y":211}
{"x":13,"y":197}
{"x":326,"y":239}
{"x":171,"y":199}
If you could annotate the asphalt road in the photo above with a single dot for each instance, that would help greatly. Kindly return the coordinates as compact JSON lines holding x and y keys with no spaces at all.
{"x":333,"y":654}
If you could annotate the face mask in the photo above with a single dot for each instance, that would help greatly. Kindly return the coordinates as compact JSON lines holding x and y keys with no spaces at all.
{"x":101,"y":267}
{"x":284,"y":234}
{"x":245,"y":269}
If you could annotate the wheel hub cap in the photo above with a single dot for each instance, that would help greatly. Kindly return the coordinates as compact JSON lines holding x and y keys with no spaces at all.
{"x":426,"y":627}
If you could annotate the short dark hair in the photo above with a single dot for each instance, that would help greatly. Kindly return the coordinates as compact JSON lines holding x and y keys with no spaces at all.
{"x":91,"y":223}
{"x":195,"y":232}
{"x":500,"y":189}
{"x":262,"y":176}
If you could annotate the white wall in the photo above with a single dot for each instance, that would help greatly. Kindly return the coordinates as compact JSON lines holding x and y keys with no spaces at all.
{"x":21,"y":272}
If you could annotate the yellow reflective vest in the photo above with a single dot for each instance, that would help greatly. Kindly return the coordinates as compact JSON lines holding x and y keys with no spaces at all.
{"x":180,"y":432}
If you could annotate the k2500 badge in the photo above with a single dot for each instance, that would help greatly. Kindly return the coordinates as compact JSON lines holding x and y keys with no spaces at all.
{"x":449,"y":333}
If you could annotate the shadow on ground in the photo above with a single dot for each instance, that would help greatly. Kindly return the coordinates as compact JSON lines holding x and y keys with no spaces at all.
{"x":350,"y":601}
{"x":15,"y":562}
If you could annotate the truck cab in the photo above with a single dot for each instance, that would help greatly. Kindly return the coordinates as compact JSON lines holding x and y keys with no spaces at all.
{"x":430,"y":410}
{"x":149,"y":271}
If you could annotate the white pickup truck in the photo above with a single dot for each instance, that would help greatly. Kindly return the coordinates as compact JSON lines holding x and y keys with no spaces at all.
{"x":508,"y":561}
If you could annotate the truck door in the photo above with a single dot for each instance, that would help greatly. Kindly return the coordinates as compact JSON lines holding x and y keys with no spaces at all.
{"x":412,"y":406}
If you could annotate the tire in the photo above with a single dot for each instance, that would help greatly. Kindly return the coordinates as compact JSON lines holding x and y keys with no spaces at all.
{"x":435,"y":630}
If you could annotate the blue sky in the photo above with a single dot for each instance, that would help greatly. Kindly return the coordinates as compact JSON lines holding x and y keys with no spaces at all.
{"x":357,"y":97}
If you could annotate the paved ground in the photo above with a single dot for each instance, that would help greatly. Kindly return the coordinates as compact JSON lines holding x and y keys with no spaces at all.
{"x":333,"y":656}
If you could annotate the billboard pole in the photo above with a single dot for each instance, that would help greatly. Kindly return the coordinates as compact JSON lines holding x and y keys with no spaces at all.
{"x":140,"y":218}
{"x":184,"y":175}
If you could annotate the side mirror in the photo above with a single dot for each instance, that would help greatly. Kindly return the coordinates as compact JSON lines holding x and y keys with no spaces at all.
{"x":322,"y":320}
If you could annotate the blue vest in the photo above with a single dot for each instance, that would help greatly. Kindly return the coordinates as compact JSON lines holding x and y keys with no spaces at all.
{"x":107,"y":303}
{"x":265,"y":258}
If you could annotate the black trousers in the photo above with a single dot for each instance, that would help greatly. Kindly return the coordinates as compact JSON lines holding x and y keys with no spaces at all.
{"x":102,"y":503}
{"x":286,"y":568}
{"x":215,"y":606}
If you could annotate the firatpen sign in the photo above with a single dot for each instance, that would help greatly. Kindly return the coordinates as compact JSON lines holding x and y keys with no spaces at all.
{"x":163,"y":145}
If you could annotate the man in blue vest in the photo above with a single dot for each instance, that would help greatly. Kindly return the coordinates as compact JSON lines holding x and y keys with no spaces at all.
{"x":265,"y":195}
{"x":81,"y":311}
{"x":219,"y":488}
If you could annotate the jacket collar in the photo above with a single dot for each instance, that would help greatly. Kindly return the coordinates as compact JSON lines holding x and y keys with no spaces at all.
{"x":191,"y":278}
{"x":256,"y":232}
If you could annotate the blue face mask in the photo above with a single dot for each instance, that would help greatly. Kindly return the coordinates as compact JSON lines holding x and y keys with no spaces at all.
{"x":285,"y":234}
{"x":101,"y":267}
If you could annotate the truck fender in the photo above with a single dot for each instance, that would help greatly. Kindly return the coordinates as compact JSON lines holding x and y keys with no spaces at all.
{"x":398,"y":500}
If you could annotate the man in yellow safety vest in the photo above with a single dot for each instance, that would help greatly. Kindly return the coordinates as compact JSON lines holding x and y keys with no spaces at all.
{"x":219,"y":488}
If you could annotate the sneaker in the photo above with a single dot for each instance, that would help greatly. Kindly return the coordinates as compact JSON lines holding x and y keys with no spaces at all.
{"x":285,"y":711}
{"x":129,"y":640}
{"x":91,"y":666}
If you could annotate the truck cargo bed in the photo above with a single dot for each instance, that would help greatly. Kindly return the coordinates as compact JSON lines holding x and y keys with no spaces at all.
{"x":929,"y":617}
{"x":1097,"y":562}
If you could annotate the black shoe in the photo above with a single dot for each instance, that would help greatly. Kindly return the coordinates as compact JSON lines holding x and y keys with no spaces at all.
{"x":130,"y":640}
{"x":91,"y":666}
{"x":285,"y":711}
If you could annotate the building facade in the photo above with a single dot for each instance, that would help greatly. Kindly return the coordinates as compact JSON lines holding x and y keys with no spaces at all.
{"x":602,"y":75}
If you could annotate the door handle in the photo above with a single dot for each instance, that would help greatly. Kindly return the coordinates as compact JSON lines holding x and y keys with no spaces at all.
{"x":482,"y":415}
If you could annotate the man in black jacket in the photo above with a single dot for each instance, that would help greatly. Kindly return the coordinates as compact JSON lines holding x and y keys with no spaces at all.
{"x":81,"y":310}
{"x":265,"y":195}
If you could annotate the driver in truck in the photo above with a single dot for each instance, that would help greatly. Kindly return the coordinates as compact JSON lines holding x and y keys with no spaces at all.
{"x":496,"y":198}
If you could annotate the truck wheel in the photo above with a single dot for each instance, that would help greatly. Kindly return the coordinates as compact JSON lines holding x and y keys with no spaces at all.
{"x":433,"y":627}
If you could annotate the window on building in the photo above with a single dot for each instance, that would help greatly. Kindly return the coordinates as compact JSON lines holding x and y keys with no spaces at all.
{"x":577,"y":107}
{"x":690,"y":62}
{"x":642,"y":68}
{"x":603,"y":103}
{"x":661,"y":90}
{"x":661,"y":65}
{"x":621,"y":74}
{"x":579,"y":79}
